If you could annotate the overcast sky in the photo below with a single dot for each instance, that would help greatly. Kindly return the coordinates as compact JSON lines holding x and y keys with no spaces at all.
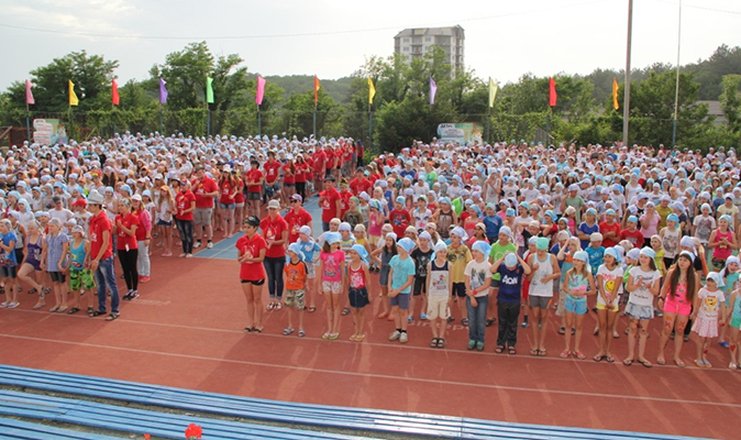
{"x":332,"y":38}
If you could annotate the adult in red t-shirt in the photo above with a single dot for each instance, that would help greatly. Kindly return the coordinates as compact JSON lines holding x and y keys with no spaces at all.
{"x":296,"y":217}
{"x":251,"y":249}
{"x":275,"y":231}
{"x":272,"y":172}
{"x":254,"y":179}
{"x":359,"y":183}
{"x":101,"y":256}
{"x":205,"y":190}
{"x":329,"y":201}
{"x":125,"y":225}
{"x":229,"y":188}
{"x":185,"y":205}
{"x":302,"y":175}
{"x":289,"y":180}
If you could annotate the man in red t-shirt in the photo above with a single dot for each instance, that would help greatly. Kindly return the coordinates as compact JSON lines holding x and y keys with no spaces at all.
{"x":101,"y":256}
{"x":359,"y":183}
{"x":205,"y":189}
{"x":318,"y":159}
{"x":296,"y":217}
{"x":329,"y":201}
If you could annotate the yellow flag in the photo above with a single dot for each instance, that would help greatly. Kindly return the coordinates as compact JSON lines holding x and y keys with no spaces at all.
{"x":493,"y":87}
{"x":615,"y":104}
{"x":72,"y":96}
{"x":371,"y":91}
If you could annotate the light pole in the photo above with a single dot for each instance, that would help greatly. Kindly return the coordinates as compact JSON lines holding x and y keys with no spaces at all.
{"x":676,"y":89}
{"x":626,"y":90}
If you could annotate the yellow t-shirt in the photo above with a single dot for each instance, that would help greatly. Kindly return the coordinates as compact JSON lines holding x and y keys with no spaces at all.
{"x":458,"y":258}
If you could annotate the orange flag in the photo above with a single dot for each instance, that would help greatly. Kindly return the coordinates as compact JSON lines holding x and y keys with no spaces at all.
{"x":615,"y":104}
{"x":316,"y":90}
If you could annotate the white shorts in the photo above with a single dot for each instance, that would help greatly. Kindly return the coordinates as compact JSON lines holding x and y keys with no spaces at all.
{"x":332,"y":287}
{"x":437,"y":308}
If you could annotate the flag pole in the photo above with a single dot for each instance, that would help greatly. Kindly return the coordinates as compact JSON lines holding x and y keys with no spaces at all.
{"x":370,"y":125}
{"x":28,"y":123}
{"x":259,"y":121}
{"x":314,"y":121}
{"x":626,"y":89}
{"x":208,"y":119}
{"x":676,"y":88}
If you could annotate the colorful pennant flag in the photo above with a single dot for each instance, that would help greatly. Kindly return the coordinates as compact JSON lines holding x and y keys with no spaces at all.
{"x":73,"y":101}
{"x":433,"y":91}
{"x":316,"y":90}
{"x":209,"y":90}
{"x":115,"y":99}
{"x":371,"y":91}
{"x":163,"y":91}
{"x":552,"y":95}
{"x":29,"y":94}
{"x":615,"y":104}
{"x":493,"y":87}
{"x":260,"y":93}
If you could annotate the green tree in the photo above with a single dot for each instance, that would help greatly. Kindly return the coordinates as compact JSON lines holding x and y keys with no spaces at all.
{"x":185,"y":72}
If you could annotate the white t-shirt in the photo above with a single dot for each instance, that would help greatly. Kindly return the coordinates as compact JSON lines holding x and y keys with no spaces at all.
{"x":710,"y":303}
{"x":480,"y":274}
{"x":609,"y":278}
{"x":643,"y":296}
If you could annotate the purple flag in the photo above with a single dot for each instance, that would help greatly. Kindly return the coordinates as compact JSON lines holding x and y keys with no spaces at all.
{"x":433,"y":91}
{"x":260,"y":90}
{"x":163,"y":91}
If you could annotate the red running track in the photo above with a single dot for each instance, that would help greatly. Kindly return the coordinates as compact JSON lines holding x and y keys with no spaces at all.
{"x":186,"y":331}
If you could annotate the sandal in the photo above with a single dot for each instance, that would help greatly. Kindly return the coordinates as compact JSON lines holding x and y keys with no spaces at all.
{"x":301,"y":333}
{"x":645,"y":363}
{"x":90,"y":311}
{"x":440,"y":343}
{"x":287,"y":331}
{"x":72,"y":311}
{"x":433,"y":343}
{"x":679,"y":363}
{"x":609,"y":359}
{"x":534,"y":352}
{"x":599,"y":358}
{"x":542,"y":352}
{"x":511,"y":350}
{"x":96,"y":314}
{"x":628,"y":362}
{"x":579,"y":355}
{"x":660,"y":361}
{"x":345,"y":311}
{"x":562,"y":330}
{"x":382,"y":315}
{"x":490,"y":322}
{"x":499,"y":349}
{"x":257,"y":329}
{"x":565,"y":354}
{"x":248,"y":329}
{"x":360,"y":338}
{"x":112,"y":317}
{"x":38,"y":305}
{"x":62,"y":309}
{"x":311,"y":309}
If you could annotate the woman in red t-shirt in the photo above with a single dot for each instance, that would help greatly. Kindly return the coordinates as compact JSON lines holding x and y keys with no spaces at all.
{"x":228,"y":190}
{"x":302,"y":172}
{"x":251,"y":249}
{"x":289,"y":180}
{"x":185,"y":204}
{"x":124,"y":226}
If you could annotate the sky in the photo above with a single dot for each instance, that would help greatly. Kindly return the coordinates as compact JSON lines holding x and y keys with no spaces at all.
{"x":333,"y":38}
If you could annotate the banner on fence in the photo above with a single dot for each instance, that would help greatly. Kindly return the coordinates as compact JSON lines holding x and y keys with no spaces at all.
{"x":463,"y":133}
{"x":49,"y":131}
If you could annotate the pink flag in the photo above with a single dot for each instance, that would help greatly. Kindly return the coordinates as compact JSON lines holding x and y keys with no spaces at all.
{"x":29,"y":94}
{"x":260,"y":90}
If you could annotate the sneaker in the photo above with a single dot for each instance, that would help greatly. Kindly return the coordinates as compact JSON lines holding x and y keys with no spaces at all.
{"x":145,"y":279}
{"x":395,"y":335}
{"x":134,"y":294}
{"x":181,"y":255}
{"x":410,"y":319}
{"x":403,"y":338}
{"x":210,"y":244}
{"x":471,"y":344}
{"x":197,"y":244}
{"x":4,"y":304}
{"x":188,"y":255}
{"x":423,"y":316}
{"x":13,"y":305}
{"x":167,"y":254}
{"x":480,"y":346}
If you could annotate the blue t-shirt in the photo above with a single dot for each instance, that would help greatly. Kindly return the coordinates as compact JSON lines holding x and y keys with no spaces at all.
{"x":493,"y":223}
{"x":403,"y":269}
{"x":588,"y":230}
{"x":310,"y":249}
{"x":596,"y":257}
{"x":8,"y":258}
{"x":510,"y":284}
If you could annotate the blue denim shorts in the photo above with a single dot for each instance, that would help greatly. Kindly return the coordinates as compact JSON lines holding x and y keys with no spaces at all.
{"x":575,"y":304}
{"x":401,"y":300}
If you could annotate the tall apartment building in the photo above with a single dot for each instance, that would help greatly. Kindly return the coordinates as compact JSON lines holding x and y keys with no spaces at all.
{"x":414,"y":43}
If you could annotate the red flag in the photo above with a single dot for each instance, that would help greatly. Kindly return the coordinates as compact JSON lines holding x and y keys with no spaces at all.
{"x":316,"y":90}
{"x":552,"y":95}
{"x":115,"y":99}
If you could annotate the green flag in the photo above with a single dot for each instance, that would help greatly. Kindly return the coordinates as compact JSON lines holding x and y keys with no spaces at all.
{"x":209,"y":90}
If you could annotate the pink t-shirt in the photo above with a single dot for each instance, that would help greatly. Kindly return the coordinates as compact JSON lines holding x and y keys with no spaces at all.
{"x":331,"y":262}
